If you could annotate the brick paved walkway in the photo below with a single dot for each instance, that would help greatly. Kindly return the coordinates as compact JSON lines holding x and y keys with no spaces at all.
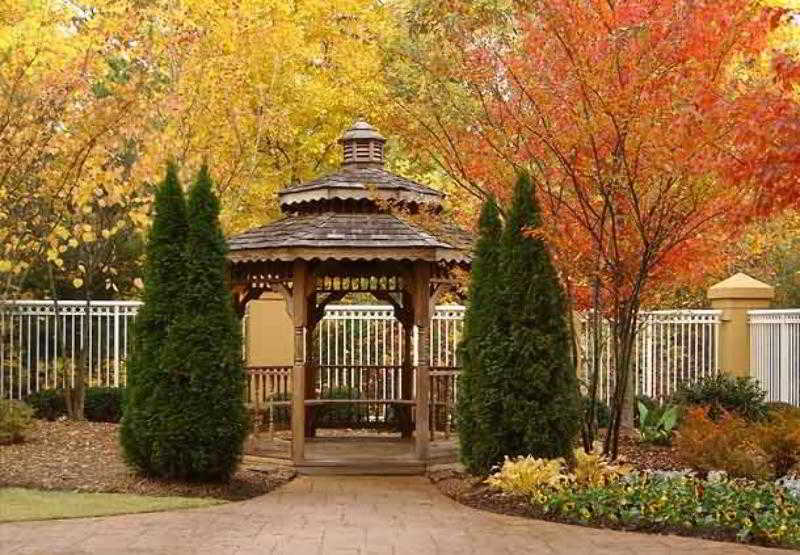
{"x":341,"y":515}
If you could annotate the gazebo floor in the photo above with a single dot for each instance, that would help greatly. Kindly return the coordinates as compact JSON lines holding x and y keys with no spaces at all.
{"x":348,"y":452}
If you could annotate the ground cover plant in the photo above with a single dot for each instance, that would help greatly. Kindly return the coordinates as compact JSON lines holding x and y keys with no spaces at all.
{"x":17,"y":504}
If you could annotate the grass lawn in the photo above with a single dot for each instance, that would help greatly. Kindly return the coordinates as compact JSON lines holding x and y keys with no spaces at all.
{"x":26,"y":504}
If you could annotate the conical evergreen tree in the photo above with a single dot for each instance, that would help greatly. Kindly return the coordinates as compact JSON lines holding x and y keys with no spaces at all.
{"x":164,"y":278}
{"x":540,"y":400}
{"x":207,"y":422}
{"x":478,"y":406}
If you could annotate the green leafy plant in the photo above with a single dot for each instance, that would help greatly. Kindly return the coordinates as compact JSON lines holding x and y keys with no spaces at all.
{"x":602,"y":494}
{"x":740,"y":395}
{"x":15,"y":421}
{"x":657,"y":423}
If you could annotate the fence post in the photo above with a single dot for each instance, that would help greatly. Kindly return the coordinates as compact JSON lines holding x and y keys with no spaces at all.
{"x":734,"y":297}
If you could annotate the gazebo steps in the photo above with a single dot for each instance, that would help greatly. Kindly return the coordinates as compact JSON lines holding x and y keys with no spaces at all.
{"x":362,"y":468}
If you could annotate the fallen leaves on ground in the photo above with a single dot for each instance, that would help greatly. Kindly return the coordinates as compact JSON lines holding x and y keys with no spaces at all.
{"x":86,"y":456}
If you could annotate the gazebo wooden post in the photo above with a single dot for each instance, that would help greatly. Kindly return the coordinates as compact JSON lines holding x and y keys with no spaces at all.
{"x":422,"y":319}
{"x":300,"y":294}
{"x":311,"y":360}
{"x":407,"y":374}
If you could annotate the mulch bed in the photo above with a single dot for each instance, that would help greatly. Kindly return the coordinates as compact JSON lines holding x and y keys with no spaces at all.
{"x":86,"y":456}
{"x":643,"y":456}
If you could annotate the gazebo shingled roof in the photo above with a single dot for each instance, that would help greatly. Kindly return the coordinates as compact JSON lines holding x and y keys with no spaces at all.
{"x":349,"y":236}
{"x":361,"y":183}
{"x":361,"y":212}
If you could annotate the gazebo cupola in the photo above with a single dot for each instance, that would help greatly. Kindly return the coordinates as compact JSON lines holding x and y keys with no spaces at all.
{"x":363,"y":146}
{"x":361,"y":229}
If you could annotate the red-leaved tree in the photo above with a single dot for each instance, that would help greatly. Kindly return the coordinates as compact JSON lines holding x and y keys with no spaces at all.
{"x":652,"y":130}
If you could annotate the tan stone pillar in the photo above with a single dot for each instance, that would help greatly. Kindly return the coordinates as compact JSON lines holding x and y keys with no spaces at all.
{"x":734,"y":297}
{"x":270,"y":332}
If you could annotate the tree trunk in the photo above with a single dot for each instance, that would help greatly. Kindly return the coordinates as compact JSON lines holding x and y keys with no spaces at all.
{"x":76,"y":394}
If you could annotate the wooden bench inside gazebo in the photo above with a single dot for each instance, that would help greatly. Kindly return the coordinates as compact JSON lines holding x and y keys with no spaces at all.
{"x":361,"y":230}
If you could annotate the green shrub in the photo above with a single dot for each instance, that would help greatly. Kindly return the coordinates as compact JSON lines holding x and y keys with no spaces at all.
{"x":740,"y":395}
{"x":199,"y":399}
{"x":15,"y":421}
{"x":474,"y":411}
{"x":102,"y":404}
{"x":47,"y":404}
{"x":519,"y":389}
{"x":150,"y":390}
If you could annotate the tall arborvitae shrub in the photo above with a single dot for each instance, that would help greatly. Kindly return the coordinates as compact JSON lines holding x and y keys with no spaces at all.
{"x":479,"y":409}
{"x":164,"y":279}
{"x":206,"y":420}
{"x":541,"y":414}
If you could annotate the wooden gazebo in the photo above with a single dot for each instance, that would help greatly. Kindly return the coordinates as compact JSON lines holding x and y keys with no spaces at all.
{"x":361,"y":229}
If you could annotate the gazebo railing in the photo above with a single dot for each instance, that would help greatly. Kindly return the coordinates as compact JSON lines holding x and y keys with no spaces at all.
{"x":444,"y":394}
{"x":269,"y":394}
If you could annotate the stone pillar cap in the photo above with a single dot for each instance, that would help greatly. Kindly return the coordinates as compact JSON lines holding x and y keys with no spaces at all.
{"x":741,"y":286}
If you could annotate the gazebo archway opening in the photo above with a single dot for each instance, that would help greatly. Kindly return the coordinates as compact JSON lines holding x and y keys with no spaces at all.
{"x":362,"y":231}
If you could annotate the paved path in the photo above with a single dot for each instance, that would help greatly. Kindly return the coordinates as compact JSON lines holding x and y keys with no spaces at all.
{"x":340,"y":515}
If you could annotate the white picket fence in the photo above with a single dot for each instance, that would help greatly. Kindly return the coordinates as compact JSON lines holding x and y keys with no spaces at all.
{"x":32,"y":357}
{"x":369,"y":335}
{"x":671,"y":347}
{"x":40,"y":343}
{"x":775,"y":352}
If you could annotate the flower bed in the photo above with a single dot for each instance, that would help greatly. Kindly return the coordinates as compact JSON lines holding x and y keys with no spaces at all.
{"x":599,"y":494}
{"x":741,"y":510}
